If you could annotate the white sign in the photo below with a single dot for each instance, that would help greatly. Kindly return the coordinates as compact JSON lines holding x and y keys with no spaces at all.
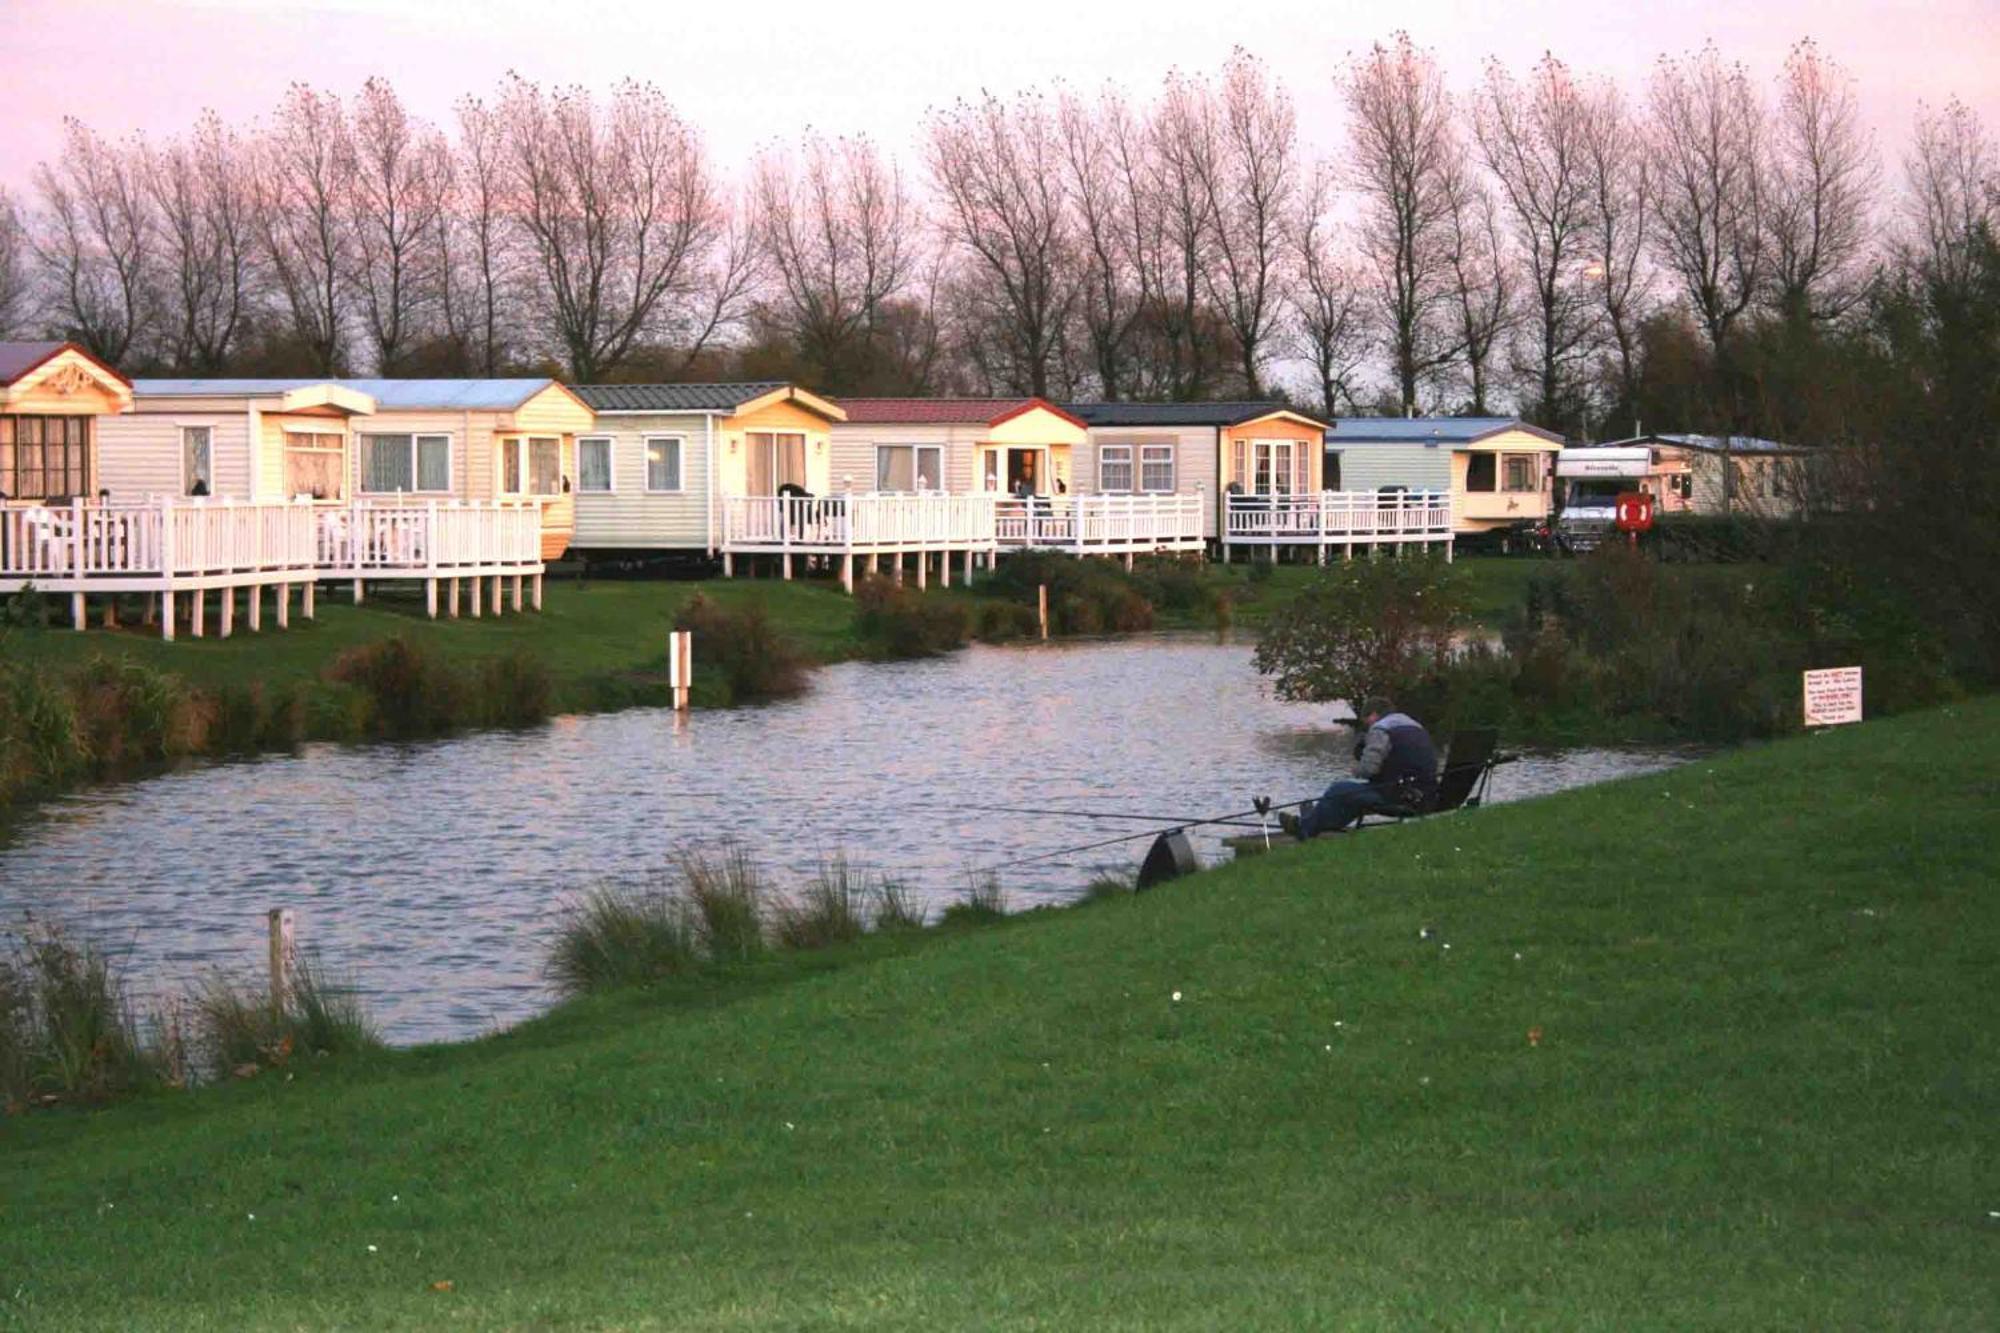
{"x":1833,"y":696}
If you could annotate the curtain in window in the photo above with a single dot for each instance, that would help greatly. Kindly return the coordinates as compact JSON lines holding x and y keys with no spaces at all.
{"x":510,"y":467}
{"x":195,"y":460}
{"x":775,"y":460}
{"x":991,"y":472}
{"x":545,"y":465}
{"x":433,"y":462}
{"x":930,"y":468}
{"x":593,"y":464}
{"x":663,"y":465}
{"x":44,"y":458}
{"x":1114,"y":468}
{"x":385,"y":464}
{"x":313,"y":466}
{"x":895,"y":469}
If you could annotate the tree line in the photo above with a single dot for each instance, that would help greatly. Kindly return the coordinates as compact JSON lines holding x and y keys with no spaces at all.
{"x":1707,"y":251}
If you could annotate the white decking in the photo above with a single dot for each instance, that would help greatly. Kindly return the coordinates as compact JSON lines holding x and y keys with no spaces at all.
{"x":1345,"y":519}
{"x":169,"y":547}
{"x":875,"y":525}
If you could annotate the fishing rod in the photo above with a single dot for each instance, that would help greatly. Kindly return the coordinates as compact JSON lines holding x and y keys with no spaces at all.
{"x":1180,"y":820}
{"x":1262,"y":807}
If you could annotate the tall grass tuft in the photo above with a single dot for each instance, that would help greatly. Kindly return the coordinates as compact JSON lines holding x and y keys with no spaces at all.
{"x":827,"y":912}
{"x":726,"y":891}
{"x":895,"y":909}
{"x":981,"y":904}
{"x":238,"y":1032}
{"x":514,"y":691}
{"x":614,"y":937}
{"x":68,"y":1032}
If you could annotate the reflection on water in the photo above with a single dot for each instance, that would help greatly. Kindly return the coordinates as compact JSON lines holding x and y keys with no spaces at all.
{"x":436,"y":872}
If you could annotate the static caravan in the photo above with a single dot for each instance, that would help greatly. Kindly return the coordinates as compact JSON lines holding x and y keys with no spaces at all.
{"x":1497,"y":470}
{"x":54,"y":399}
{"x":1720,"y":474}
{"x":964,"y":446}
{"x":374,"y":440}
{"x":657,"y":470}
{"x":1259,"y":448}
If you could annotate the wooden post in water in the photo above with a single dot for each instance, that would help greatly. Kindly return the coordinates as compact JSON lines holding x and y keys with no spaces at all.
{"x":680,"y":666}
{"x":284,"y":956}
{"x":1042,"y":607}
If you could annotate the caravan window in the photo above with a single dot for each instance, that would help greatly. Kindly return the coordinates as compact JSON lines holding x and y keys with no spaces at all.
{"x":315,"y":465}
{"x":414,"y":463}
{"x":1519,"y":470}
{"x":909,"y":467}
{"x":197,"y":460}
{"x":1480,"y":472}
{"x":593,"y":464}
{"x":1156,"y":468}
{"x":776,"y":459}
{"x":44,"y":457}
{"x":1114,"y":468}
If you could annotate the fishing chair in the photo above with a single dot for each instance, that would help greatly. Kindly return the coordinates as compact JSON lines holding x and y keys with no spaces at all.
{"x":1470,"y":758}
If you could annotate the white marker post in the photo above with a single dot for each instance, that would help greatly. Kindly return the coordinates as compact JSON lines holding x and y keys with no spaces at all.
{"x":284,"y":956}
{"x":680,"y":666}
{"x":1833,"y":696}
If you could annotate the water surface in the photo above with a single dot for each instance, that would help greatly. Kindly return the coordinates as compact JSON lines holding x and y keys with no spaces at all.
{"x":436,"y":872}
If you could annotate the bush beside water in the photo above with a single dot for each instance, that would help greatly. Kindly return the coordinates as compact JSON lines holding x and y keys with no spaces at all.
{"x":755,"y":659}
{"x":903,"y":622}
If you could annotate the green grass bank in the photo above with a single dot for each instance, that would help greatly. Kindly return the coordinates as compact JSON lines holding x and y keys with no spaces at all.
{"x":1713,"y":1048}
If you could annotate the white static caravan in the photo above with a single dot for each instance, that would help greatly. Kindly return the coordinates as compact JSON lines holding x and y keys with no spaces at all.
{"x":656,"y":471}
{"x":1497,"y":470}
{"x":1722,"y":474}
{"x":375,"y":441}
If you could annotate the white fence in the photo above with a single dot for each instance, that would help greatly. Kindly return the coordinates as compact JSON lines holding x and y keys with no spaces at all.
{"x":171,"y":546}
{"x":1338,"y":518}
{"x":1101,"y":524}
{"x":856,"y":524}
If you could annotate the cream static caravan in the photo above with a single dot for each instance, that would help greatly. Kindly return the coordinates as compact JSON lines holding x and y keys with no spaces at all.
{"x":339,"y":440}
{"x":54,"y":399}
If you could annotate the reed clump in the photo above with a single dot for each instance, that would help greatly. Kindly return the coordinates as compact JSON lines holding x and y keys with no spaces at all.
{"x":829,"y":910}
{"x":237,"y":1031}
{"x":755,"y":660}
{"x":67,"y":1031}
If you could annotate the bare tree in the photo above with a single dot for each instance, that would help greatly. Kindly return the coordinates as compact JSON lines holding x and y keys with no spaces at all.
{"x":205,"y":195}
{"x":16,"y":276}
{"x":1953,"y":175}
{"x":1707,"y":148}
{"x":96,"y":241}
{"x":1252,"y":184}
{"x":1185,"y":148}
{"x":304,"y":219}
{"x":1482,"y":288}
{"x":838,"y":233}
{"x":621,"y":218}
{"x":1105,"y":156}
{"x":401,"y":185}
{"x":1535,"y":140}
{"x":476,"y":261}
{"x":998,"y":170}
{"x":1618,"y":218}
{"x":1402,"y":157}
{"x":1823,"y":182}
{"x":1327,"y":307}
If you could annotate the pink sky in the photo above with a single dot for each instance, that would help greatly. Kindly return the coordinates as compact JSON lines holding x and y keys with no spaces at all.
{"x":750,"y":73}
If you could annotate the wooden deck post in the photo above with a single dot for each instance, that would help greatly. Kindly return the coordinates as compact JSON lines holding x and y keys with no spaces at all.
{"x":111,"y":611}
{"x":1042,"y":607}
{"x":306,"y":591}
{"x":493,"y":599}
{"x":79,"y":613}
{"x":966,"y":577}
{"x":728,"y":565}
{"x":228,"y":616}
{"x":198,"y":615}
{"x":1128,"y":562}
{"x":944,"y":569}
{"x":167,"y":614}
{"x":478,"y":591}
{"x":923,"y":569}
{"x":451,"y":598}
{"x":284,"y":606}
{"x":255,"y":592}
{"x":431,"y":597}
{"x":847,"y":571}
{"x":537,"y":592}
{"x":517,"y":594}
{"x":785,"y":561}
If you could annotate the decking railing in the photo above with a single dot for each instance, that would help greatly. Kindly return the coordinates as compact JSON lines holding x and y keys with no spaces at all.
{"x":171,"y":546}
{"x":1331,"y":518}
{"x":857,"y":524}
{"x":1101,"y":524}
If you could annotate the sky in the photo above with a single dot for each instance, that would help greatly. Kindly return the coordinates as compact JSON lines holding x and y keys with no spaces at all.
{"x":756,"y":72}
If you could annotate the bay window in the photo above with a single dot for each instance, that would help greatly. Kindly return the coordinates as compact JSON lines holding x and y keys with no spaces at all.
{"x":531,"y":465}
{"x":315,"y":465}
{"x":1269,"y":467}
{"x":44,"y":458}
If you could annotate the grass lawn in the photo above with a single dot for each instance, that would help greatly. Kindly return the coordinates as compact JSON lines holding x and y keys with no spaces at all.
{"x":1714,"y":1048}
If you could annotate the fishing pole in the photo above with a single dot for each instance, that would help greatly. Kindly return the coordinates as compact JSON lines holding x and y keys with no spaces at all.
{"x":1181,"y":820}
{"x":1261,"y":808}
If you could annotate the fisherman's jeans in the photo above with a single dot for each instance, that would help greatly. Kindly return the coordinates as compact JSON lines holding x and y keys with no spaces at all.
{"x":1341,"y":804}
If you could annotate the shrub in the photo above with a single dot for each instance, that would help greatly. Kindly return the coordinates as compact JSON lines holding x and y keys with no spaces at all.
{"x":827,"y":912}
{"x":41,"y":737}
{"x":1001,"y":621}
{"x":727,"y":894}
{"x":1365,"y":627}
{"x":410,"y":693}
{"x":514,"y":691}
{"x":754,"y":659}
{"x":1085,"y":596}
{"x":131,"y":715}
{"x":903,"y":622}
{"x":615,"y":937}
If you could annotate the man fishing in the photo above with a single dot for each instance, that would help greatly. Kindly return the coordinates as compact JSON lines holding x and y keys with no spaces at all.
{"x":1396,"y":766}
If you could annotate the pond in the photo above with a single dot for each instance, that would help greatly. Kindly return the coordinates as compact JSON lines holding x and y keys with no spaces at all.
{"x":435,"y":874}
